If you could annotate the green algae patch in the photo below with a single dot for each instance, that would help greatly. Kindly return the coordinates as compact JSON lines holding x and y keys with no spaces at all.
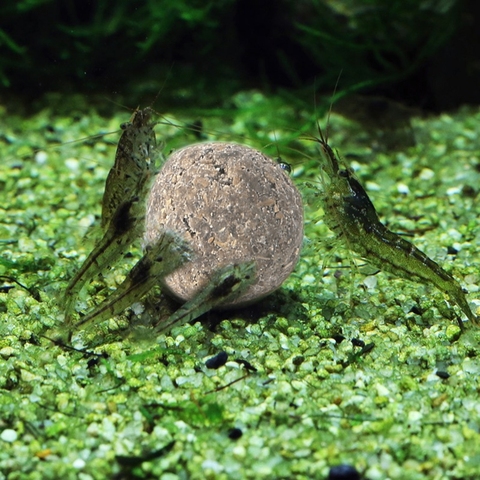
{"x":342,"y":365}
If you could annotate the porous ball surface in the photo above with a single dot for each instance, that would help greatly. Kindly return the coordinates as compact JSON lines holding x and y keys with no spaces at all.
{"x":232,"y":204}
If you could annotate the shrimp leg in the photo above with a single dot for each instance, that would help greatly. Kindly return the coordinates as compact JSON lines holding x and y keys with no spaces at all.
{"x":161,"y":258}
{"x":224,"y":286}
{"x":126,"y":226}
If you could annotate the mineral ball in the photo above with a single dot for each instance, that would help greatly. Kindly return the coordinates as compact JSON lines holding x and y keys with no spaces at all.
{"x":232,"y":204}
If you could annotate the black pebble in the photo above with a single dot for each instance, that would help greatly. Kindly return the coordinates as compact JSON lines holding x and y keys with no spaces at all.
{"x":442,"y":374}
{"x":217,"y":361}
{"x":451,"y":250}
{"x":248,"y":366}
{"x":234,"y":434}
{"x":343,"y":472}
{"x":356,"y":342}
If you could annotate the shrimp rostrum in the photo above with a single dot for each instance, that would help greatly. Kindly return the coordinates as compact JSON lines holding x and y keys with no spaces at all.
{"x":351,"y":215}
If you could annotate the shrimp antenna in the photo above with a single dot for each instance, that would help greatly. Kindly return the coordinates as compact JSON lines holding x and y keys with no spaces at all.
{"x":284,"y":166}
{"x":164,"y":83}
{"x":324,"y":138}
{"x":279,"y":158}
{"x":332,"y":165}
{"x":155,"y":98}
{"x":320,"y":133}
{"x":332,"y":101}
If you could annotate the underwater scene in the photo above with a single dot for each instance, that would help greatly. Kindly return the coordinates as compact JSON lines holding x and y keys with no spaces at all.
{"x":269,"y":275}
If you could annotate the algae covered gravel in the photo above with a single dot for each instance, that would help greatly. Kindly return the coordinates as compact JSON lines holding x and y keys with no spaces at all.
{"x":343,"y":365}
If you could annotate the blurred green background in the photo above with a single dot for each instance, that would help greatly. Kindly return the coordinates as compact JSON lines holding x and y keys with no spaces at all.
{"x":419,"y":53}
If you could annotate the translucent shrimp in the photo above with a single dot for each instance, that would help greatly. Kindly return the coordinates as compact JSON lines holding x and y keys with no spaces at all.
{"x":351,"y":215}
{"x":224,"y":286}
{"x":123,"y":207}
{"x":161,"y":258}
{"x":133,"y":162}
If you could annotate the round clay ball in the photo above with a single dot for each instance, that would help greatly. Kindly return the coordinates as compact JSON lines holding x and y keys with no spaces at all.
{"x":232,"y":204}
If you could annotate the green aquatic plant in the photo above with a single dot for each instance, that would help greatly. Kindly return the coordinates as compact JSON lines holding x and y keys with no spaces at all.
{"x":371,"y":42}
{"x":100,"y":44}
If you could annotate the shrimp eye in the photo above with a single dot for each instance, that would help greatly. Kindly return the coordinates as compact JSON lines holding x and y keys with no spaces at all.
{"x":344,"y":173}
{"x":285,"y":166}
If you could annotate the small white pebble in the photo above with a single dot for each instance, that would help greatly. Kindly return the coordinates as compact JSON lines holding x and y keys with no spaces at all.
{"x":26,"y":245}
{"x":87,"y":221}
{"x":453,"y":191}
{"x":426,"y":174}
{"x":62,"y":360}
{"x":41,"y":157}
{"x":457,"y":246}
{"x":403,"y":188}
{"x":308,"y":279}
{"x":166,"y":383}
{"x":138,"y":308}
{"x":471,"y":366}
{"x":454,"y":234}
{"x":469,"y":280}
{"x":375,"y":473}
{"x":6,"y":352}
{"x":297,"y":171}
{"x":28,"y":376}
{"x":72,"y":164}
{"x":78,"y":463}
{"x":355,"y":166}
{"x":169,"y":476}
{"x":370,"y":281}
{"x":239,"y":451}
{"x":414,"y":416}
{"x":93,"y":429}
{"x":84,"y":476}
{"x":9,"y":435}
{"x":373,"y":187}
{"x":212,"y":465}
{"x":382,"y":390}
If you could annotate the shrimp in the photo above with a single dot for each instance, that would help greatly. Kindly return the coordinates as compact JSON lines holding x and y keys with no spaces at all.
{"x":225,"y":285}
{"x":161,"y":258}
{"x":123,"y":206}
{"x":123,"y":217}
{"x":133,"y":161}
{"x":351,"y":215}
